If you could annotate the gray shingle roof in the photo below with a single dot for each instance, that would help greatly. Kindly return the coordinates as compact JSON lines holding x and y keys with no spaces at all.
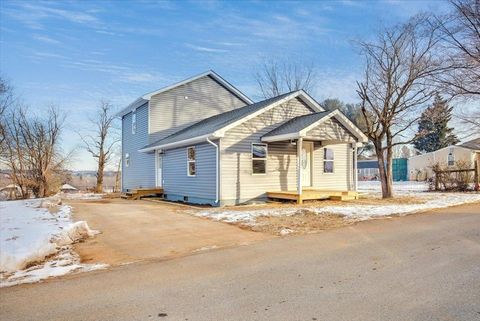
{"x":137,"y":103}
{"x":296,"y":124}
{"x":472,"y":144}
{"x":214,"y":123}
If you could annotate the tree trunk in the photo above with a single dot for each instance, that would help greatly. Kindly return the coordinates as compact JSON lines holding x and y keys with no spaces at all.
{"x":388,"y":193}
{"x":117,"y":176}
{"x":384,"y":172}
{"x":101,"y":165}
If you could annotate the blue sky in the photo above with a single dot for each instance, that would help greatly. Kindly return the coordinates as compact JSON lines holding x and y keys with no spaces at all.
{"x":73,"y":54}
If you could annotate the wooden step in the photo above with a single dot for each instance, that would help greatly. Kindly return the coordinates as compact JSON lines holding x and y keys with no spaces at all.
{"x":138,"y":193}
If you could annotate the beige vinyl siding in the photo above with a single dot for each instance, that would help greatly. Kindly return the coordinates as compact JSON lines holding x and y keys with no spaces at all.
{"x":420,"y":167}
{"x":237,"y":181}
{"x":189,"y":103}
{"x":342,"y":176}
{"x":331,"y":129}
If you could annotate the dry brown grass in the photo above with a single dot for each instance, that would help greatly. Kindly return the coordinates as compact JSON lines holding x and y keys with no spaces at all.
{"x":303,"y":223}
{"x":307,"y":221}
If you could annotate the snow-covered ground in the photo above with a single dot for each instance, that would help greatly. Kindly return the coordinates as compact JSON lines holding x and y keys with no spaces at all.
{"x":35,"y":241}
{"x":417,"y":190}
{"x":80,"y":196}
{"x":399,"y":188}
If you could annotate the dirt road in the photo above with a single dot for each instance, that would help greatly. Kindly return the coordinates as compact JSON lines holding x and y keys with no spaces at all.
{"x":141,"y":230}
{"x":420,"y":267}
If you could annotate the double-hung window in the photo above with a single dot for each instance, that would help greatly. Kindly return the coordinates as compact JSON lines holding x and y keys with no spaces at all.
{"x":328,"y":159}
{"x":259,"y":158}
{"x":191,"y":161}
{"x":134,"y":122}
{"x":451,"y":158}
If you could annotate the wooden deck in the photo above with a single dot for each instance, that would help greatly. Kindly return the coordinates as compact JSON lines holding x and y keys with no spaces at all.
{"x":138,"y":193}
{"x":313,"y":194}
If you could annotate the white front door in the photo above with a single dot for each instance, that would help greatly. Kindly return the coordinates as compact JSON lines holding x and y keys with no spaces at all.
{"x":307,"y":151}
{"x":158,"y":166}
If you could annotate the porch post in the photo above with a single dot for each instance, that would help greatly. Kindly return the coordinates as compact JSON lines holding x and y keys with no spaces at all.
{"x":355,"y":170}
{"x":299,"y":170}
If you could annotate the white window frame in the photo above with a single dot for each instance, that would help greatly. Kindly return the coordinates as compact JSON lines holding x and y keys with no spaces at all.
{"x":259,"y":158}
{"x":191,"y":161}
{"x":127,"y":159}
{"x":328,"y":160}
{"x":134,"y":122}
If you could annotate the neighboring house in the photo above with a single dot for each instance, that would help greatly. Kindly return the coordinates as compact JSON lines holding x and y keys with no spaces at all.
{"x":368,"y":169}
{"x":67,"y":188}
{"x":203,"y":141}
{"x":10,"y":192}
{"x":465,"y":154}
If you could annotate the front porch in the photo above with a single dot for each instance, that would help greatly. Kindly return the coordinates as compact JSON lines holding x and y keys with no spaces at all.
{"x":321,"y":172}
{"x":309,"y":193}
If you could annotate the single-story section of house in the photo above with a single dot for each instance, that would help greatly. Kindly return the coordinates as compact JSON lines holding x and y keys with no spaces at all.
{"x":455,"y":156}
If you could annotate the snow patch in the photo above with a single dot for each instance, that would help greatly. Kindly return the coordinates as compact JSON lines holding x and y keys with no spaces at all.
{"x":399,"y":188}
{"x":365,"y":212}
{"x":80,"y":196}
{"x":353,"y":211}
{"x":32,"y":231}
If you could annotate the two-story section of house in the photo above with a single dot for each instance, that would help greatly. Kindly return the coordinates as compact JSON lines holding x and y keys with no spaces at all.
{"x":158,"y":114}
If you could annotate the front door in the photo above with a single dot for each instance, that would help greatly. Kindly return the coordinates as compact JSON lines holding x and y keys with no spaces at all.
{"x":307,"y":151}
{"x":159,"y":165}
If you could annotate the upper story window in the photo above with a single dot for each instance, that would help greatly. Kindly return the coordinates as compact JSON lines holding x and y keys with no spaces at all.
{"x":191,"y":161}
{"x":259,"y":158}
{"x":451,"y":158}
{"x":328,"y":159}
{"x":134,"y":122}
{"x":127,"y":160}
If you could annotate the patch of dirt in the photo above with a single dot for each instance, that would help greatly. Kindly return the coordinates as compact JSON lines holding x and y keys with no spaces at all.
{"x":302,"y":223}
{"x":371,"y":200}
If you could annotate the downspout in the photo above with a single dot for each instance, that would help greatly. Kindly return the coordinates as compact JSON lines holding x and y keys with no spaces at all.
{"x":217,"y":187}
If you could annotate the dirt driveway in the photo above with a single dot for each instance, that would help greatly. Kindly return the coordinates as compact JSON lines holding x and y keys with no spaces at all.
{"x":142,"y":230}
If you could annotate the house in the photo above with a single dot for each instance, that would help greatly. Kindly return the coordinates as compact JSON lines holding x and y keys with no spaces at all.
{"x":67,"y":188}
{"x":464,"y":154}
{"x":10,"y":192}
{"x":368,"y":169}
{"x":203,"y":141}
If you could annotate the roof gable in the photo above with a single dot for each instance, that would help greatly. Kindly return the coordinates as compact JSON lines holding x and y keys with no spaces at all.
{"x":145,"y":98}
{"x":301,"y":125}
{"x":471,"y":144}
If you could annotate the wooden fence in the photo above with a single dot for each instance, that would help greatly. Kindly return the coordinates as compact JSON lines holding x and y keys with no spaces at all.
{"x":440,"y":176}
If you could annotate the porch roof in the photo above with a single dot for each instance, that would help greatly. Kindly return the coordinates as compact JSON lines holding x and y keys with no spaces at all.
{"x":299,"y":126}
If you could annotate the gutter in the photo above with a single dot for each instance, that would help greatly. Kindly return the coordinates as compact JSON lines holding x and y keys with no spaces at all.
{"x":181,"y":143}
{"x":217,"y":185}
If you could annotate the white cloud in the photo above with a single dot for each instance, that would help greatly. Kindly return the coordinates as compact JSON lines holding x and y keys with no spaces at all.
{"x":45,"y":39}
{"x":33,"y":15}
{"x":205,"y":49}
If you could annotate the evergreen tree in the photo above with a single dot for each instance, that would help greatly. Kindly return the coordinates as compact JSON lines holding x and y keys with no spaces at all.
{"x":433,"y":130}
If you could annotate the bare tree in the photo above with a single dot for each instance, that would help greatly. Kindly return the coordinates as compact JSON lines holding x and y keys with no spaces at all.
{"x":275,"y":78}
{"x":6,"y":100}
{"x":461,"y":39}
{"x":33,"y":155}
{"x":398,"y":67}
{"x":101,"y":142}
{"x":470,"y":119}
